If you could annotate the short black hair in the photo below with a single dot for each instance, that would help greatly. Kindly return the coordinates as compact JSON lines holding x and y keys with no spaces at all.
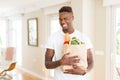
{"x":66,"y":9}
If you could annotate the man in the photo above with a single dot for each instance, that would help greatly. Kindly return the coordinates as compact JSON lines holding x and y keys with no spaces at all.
{"x":54,"y":47}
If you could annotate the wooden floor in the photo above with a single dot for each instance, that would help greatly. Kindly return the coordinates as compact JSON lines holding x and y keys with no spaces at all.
{"x":25,"y":76}
{"x":18,"y":74}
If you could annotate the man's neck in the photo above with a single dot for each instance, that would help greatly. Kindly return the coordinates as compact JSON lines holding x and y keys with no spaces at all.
{"x":70,"y":31}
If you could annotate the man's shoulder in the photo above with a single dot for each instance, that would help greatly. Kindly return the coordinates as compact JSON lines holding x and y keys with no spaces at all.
{"x":79,"y":33}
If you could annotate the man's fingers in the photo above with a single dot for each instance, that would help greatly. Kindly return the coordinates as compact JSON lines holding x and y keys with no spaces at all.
{"x":76,"y":60}
{"x":69,"y":71}
{"x":74,"y":57}
{"x":67,"y":53}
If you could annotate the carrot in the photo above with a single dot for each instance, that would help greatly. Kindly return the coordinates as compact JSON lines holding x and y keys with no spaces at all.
{"x":67,"y":37}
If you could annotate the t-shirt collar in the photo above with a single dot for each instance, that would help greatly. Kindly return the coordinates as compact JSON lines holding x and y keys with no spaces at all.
{"x":64,"y":33}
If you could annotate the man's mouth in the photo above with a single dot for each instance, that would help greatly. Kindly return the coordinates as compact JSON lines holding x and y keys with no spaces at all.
{"x":64,"y":25}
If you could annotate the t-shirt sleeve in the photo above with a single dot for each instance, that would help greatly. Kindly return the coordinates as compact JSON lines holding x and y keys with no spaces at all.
{"x":49,"y":43}
{"x":88,"y":43}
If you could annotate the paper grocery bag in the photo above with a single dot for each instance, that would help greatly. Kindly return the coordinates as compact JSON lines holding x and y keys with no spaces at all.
{"x":76,"y":50}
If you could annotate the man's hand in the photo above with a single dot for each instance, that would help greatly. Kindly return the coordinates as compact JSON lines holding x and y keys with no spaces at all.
{"x":76,"y":70}
{"x":67,"y":60}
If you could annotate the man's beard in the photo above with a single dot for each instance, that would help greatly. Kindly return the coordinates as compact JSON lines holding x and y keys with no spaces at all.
{"x":65,"y":30}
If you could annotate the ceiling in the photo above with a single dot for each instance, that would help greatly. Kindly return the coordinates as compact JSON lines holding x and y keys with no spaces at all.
{"x":9,"y":7}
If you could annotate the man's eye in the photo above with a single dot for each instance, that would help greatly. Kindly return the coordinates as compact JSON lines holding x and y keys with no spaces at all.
{"x":60,"y":19}
{"x":66,"y":18}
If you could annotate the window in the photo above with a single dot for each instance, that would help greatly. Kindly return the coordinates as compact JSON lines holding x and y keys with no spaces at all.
{"x":117,"y":36}
{"x":55,"y":26}
{"x":118,"y":31}
{"x":3,"y":29}
{"x":115,"y":42}
{"x":16,"y":32}
{"x":10,"y":35}
{"x":112,"y":42}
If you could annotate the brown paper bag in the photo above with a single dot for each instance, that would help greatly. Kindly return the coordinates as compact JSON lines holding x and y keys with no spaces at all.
{"x":79,"y":50}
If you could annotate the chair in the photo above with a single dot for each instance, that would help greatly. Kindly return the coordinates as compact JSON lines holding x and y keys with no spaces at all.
{"x":7,"y":63}
{"x":4,"y":75}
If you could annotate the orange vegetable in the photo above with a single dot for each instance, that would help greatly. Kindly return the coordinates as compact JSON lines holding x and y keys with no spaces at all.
{"x":67,"y":38}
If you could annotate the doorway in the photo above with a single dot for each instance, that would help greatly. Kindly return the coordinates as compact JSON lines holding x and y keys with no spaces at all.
{"x":113,"y":44}
{"x":117,"y":41}
{"x":54,"y":27}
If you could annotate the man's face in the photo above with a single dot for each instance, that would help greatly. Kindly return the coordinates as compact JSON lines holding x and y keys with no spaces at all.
{"x":65,"y":19}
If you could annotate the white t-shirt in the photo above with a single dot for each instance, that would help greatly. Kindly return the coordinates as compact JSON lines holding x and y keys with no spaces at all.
{"x":55,"y":41}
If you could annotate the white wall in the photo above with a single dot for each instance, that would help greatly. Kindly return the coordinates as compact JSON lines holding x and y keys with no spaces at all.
{"x":100,"y":41}
{"x":33,"y":57}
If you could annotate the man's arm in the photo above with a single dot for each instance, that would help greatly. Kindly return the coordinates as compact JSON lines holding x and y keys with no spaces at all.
{"x":65,"y":60}
{"x":90,"y":59}
{"x":48,"y":59}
